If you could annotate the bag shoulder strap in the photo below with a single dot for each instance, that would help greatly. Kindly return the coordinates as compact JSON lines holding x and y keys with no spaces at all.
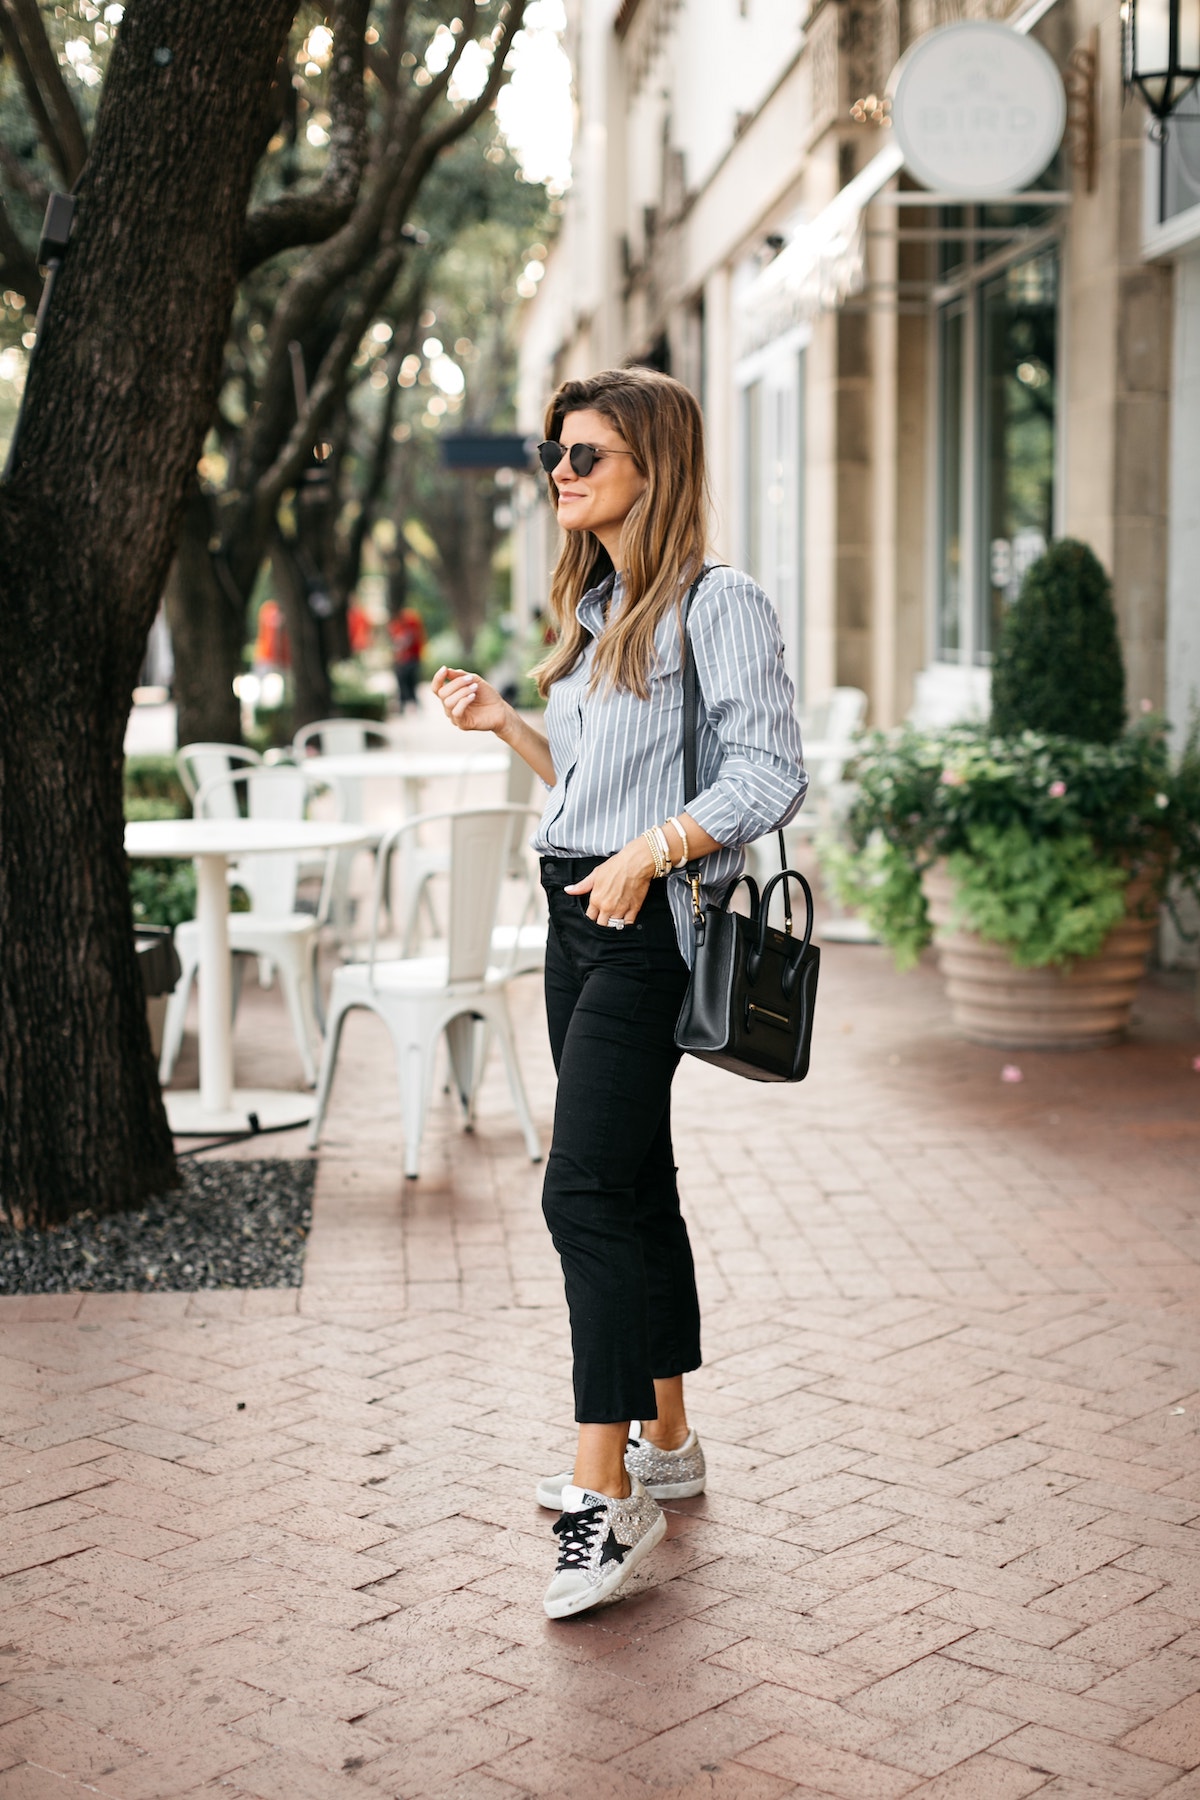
{"x":691,"y":715}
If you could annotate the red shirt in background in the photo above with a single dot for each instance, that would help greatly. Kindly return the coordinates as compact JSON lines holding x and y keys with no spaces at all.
{"x":359,"y":628}
{"x":407,"y":633}
{"x":271,"y":644}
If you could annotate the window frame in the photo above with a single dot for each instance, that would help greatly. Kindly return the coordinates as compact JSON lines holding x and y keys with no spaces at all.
{"x":776,"y":367}
{"x":966,"y":290}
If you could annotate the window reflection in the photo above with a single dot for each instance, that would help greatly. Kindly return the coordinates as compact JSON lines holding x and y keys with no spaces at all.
{"x":1019,"y":358}
{"x":997,"y":405}
{"x":950,"y":438}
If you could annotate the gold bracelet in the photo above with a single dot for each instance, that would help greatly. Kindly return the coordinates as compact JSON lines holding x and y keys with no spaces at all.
{"x":685,"y":858}
{"x":661,"y":865}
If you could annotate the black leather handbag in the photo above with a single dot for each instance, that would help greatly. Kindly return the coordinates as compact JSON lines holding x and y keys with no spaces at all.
{"x":749,"y":1004}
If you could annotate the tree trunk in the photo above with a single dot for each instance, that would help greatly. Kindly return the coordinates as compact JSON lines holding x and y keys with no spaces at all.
{"x":119,"y":396}
{"x":208,"y":628}
{"x":460,"y":515}
{"x":312,"y":691}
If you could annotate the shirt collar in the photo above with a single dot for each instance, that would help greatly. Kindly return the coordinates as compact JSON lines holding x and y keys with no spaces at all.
{"x":591,"y":608}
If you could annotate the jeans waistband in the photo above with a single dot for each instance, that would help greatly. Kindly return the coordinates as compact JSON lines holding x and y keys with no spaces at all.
{"x":563,"y":871}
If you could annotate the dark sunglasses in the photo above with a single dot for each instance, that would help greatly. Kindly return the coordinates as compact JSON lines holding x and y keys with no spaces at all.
{"x":584,"y":457}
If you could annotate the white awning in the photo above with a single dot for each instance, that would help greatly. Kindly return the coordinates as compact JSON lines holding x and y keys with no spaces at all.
{"x":824,"y":263}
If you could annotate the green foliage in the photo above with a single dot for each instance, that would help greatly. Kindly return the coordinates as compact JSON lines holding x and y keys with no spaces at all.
{"x":1050,"y":829}
{"x":352,"y":697}
{"x":163,"y":893}
{"x":882,"y":884}
{"x":154,"y":778}
{"x":138,"y":810}
{"x":1046,"y":899}
{"x":1058,"y":667}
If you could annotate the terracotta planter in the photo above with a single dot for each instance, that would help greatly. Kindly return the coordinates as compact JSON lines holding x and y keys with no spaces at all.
{"x":1079,"y":1007}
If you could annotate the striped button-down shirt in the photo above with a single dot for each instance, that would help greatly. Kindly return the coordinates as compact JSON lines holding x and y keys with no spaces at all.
{"x":618,"y":760}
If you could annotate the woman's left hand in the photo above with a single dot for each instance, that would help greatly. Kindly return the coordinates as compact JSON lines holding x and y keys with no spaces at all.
{"x":617,"y":889}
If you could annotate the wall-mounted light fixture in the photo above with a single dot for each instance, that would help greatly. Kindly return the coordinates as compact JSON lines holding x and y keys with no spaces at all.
{"x":1161,"y":51}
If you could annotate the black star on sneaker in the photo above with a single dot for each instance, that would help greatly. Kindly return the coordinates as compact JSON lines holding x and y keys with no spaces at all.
{"x":614,"y":1550}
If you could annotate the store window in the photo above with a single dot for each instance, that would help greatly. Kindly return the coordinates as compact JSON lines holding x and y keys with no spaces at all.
{"x":997,"y":417}
{"x":772,"y":500}
{"x":1177,"y":155}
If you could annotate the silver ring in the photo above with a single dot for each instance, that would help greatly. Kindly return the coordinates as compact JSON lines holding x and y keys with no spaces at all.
{"x":615,"y":924}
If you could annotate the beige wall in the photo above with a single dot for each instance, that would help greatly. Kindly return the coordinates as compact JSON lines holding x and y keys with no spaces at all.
{"x":1116,"y":417}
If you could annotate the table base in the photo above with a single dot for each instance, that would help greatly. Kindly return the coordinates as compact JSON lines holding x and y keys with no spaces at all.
{"x":274,"y":1108}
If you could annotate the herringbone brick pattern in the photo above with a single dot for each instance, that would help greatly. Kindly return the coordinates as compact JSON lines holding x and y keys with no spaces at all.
{"x":283,"y":1546}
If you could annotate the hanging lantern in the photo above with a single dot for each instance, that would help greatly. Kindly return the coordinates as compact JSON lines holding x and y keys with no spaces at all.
{"x":1161,"y":51}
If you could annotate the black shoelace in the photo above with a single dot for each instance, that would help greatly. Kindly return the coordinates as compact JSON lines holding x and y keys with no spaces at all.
{"x":577,"y":1531}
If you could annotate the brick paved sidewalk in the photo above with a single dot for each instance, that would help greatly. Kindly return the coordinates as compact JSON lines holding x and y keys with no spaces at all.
{"x":283,"y":1546}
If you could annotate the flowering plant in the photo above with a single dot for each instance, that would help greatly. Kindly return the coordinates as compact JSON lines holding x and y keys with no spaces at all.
{"x":1041,"y":834}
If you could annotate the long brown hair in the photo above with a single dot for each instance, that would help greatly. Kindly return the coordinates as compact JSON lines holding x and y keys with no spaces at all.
{"x":664,"y":536}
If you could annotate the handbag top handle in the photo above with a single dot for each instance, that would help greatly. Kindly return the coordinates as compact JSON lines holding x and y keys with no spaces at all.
{"x":691,"y":712}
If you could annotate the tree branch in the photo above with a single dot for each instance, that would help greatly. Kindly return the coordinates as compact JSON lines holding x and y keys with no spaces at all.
{"x":429,"y":147}
{"x":378,"y":458}
{"x":22,"y":180}
{"x":45,"y":88}
{"x":330,"y":377}
{"x":383,"y":58}
{"x":29,"y":87}
{"x":18,"y":270}
{"x":295,"y":219}
{"x":429,"y":96}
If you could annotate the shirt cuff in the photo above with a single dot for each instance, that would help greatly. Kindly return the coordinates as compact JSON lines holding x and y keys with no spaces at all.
{"x":715,"y":813}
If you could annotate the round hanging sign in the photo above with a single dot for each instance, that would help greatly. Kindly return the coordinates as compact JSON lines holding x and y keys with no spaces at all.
{"x":977,"y":109}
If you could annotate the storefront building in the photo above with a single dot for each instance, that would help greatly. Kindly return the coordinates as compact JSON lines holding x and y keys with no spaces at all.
{"x":908,"y":392}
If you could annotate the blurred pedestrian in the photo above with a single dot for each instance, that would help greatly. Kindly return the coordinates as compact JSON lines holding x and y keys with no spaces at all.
{"x":625,"y":458}
{"x":407,"y":632}
{"x":272,"y":649}
{"x":360,"y":632}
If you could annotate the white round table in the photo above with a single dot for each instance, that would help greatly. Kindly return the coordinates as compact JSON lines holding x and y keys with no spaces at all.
{"x":410,"y":767}
{"x":218,"y":1107}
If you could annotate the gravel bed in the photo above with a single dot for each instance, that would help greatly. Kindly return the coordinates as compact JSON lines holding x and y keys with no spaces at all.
{"x":230,"y":1225}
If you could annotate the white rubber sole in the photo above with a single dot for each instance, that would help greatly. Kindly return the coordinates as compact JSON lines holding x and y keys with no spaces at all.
{"x":549,"y":1490}
{"x":571,"y":1604}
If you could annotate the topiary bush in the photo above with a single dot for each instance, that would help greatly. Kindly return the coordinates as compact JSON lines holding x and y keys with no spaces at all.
{"x":1058,"y":668}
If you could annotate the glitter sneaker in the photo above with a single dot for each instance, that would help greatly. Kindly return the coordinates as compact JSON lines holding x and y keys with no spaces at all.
{"x":601,"y":1542}
{"x":665,"y":1474}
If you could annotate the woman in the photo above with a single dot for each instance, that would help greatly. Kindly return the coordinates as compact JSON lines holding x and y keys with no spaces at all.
{"x":625,"y":458}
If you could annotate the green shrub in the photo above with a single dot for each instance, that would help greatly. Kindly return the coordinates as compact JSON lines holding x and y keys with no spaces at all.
{"x":1045,"y":899}
{"x":1058,"y":667}
{"x":139,"y":810}
{"x":882,"y":883}
{"x":155,"y":778}
{"x":162,"y":893}
{"x":1041,"y":833}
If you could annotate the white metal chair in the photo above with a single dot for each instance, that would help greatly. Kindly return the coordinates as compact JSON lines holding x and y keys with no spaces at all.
{"x":342,"y":737}
{"x":273,"y":930}
{"x":455,"y":995}
{"x":831,"y":728}
{"x":424,"y":862}
{"x":521,"y":948}
{"x":198,"y":763}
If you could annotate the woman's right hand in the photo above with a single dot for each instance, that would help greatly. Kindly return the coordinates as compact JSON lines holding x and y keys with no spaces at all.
{"x":469,"y":701}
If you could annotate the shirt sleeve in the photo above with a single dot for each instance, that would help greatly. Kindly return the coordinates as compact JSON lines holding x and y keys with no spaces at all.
{"x":748,"y":699}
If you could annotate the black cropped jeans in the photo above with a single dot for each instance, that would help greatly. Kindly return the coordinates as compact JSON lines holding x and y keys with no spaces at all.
{"x":610,"y":1196}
